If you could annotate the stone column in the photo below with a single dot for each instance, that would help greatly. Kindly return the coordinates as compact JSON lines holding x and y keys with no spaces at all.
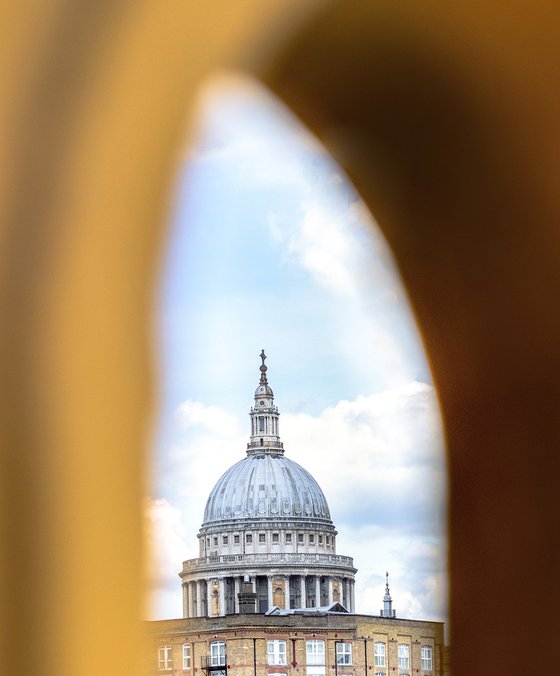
{"x":352,"y":599}
{"x":192,"y":598}
{"x":208,"y":597}
{"x":185,"y":599}
{"x":330,"y":599}
{"x":236,"y":591}
{"x":269,"y":583}
{"x":343,"y":598}
{"x":287,"y":593}
{"x":199,"y":609}
{"x":222,"y":610}
{"x":302,"y":591}
{"x":317,"y":591}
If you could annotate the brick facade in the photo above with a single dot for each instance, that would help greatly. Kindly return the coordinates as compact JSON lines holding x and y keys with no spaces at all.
{"x":246,"y":645}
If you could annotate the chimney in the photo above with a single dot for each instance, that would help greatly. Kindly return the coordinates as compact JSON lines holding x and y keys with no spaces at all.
{"x":247,"y":597}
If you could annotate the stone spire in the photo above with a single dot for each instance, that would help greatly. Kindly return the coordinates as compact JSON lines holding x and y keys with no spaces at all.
{"x":387,"y":600}
{"x":265,"y":437}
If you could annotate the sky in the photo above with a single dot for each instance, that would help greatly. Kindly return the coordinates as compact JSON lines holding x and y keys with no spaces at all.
{"x":270,"y":247}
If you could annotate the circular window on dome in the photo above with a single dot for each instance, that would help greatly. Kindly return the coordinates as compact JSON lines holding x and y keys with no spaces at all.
{"x":261,"y":402}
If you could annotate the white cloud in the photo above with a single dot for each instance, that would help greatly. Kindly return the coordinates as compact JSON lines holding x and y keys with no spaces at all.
{"x":242,"y":126}
{"x":167,"y":550}
{"x":193,"y":413}
{"x":379,"y":460}
{"x":321,"y":246}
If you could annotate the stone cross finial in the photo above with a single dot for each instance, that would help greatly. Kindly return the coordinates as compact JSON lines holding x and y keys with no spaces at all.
{"x":263,"y":369}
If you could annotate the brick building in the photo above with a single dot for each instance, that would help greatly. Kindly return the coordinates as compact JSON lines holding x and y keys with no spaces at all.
{"x":305,"y":643}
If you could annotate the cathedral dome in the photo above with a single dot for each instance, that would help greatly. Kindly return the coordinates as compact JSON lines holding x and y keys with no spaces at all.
{"x":266,"y":486}
{"x":266,"y":525}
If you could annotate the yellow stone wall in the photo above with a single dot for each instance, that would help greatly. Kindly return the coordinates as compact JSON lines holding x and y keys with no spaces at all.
{"x":246,"y":639}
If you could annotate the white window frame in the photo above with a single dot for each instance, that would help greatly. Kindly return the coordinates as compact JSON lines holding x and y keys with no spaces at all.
{"x":315,"y":652}
{"x":404,"y":656}
{"x":427,"y":658}
{"x":277,"y":654}
{"x":218,"y":654}
{"x":165,"y":658}
{"x":344,"y":654}
{"x":186,"y":655}
{"x":380,"y":654}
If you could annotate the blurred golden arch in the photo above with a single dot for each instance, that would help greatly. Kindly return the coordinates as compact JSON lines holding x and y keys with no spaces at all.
{"x":446,"y":118}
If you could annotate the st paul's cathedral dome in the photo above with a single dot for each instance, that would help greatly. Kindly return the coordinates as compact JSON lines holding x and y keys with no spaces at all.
{"x":267,"y":522}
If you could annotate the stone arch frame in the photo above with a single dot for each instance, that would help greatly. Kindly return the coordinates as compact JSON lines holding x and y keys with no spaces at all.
{"x":480,"y":279}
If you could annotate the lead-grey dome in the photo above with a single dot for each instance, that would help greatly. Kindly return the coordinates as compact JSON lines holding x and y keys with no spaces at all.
{"x":266,"y":486}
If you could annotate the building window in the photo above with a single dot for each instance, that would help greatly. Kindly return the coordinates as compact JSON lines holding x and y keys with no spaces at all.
{"x":288,"y":537}
{"x":261,"y":424}
{"x":225,"y":539}
{"x":404,"y":656}
{"x":165,"y":660}
{"x":277,"y":652}
{"x":236,"y":539}
{"x":218,"y":654}
{"x":186,"y":655}
{"x":320,"y":539}
{"x":379,"y":649}
{"x":328,"y":539}
{"x":315,"y":652}
{"x":262,"y":537}
{"x":311,"y":538}
{"x":380,"y":673}
{"x":248,"y":537}
{"x":275,"y":537}
{"x":344,"y":653}
{"x":215,"y":539}
{"x":427,"y":661}
{"x":300,"y":537}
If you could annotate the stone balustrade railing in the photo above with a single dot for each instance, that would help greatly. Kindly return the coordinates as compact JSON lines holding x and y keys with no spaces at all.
{"x":290,"y":559}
